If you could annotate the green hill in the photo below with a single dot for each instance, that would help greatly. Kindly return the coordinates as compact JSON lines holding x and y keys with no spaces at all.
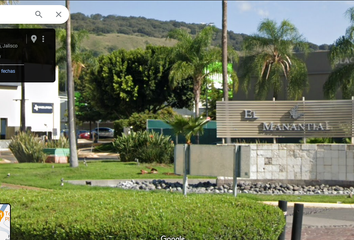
{"x":111,"y":32}
{"x":106,"y":43}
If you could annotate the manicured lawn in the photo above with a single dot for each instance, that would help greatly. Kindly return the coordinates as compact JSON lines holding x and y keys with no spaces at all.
{"x":44,"y":176}
{"x":81,"y":214}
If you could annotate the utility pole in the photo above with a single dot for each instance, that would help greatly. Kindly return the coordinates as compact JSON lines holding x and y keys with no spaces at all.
{"x":224,"y":55}
{"x":23,"y":107}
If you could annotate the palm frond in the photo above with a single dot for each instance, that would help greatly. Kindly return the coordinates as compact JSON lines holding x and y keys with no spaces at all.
{"x":298,"y":80}
{"x":180,"y":70}
{"x":341,"y":77}
{"x":268,"y":29}
{"x":350,"y":14}
{"x":342,"y":47}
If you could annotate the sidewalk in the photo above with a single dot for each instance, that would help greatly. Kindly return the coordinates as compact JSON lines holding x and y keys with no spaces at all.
{"x":322,"y":221}
{"x":83,"y":153}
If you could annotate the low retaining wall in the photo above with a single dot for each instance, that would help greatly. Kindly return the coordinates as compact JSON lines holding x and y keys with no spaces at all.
{"x":4,"y":144}
{"x":273,"y":161}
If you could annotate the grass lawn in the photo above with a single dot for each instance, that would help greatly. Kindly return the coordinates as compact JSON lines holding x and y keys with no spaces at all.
{"x":42,"y":175}
{"x":112,"y":213}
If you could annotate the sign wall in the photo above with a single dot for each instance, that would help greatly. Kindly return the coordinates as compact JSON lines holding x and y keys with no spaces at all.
{"x":276,"y":119}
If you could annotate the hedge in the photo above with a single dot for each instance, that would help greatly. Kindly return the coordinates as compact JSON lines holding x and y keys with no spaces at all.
{"x":103,"y":214}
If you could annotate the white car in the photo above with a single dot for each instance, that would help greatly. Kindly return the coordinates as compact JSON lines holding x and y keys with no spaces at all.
{"x":103,"y":132}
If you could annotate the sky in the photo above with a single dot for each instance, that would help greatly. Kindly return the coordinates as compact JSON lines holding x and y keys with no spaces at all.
{"x":320,"y":22}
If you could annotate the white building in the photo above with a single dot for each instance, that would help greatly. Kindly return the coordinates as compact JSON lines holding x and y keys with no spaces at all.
{"x":42,"y":109}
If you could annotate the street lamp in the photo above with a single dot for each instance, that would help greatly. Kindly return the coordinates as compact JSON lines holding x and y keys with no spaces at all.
{"x":206,"y":102}
{"x":22,"y":113}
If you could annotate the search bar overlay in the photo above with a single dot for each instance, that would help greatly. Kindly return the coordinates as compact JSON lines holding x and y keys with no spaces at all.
{"x":33,"y":14}
{"x":27,"y":55}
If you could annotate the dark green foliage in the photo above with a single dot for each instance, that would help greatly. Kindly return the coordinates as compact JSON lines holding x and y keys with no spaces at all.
{"x":135,"y":81}
{"x":26,"y":147}
{"x":269,"y":57}
{"x":192,"y":55}
{"x":327,"y":140}
{"x":105,"y":147}
{"x":84,"y":111}
{"x":137,"y":121}
{"x":342,"y":76}
{"x":119,"y":126}
{"x":147,"y":147}
{"x":101,"y":214}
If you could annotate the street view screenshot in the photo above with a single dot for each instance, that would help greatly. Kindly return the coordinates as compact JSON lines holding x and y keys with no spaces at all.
{"x":176,"y":120}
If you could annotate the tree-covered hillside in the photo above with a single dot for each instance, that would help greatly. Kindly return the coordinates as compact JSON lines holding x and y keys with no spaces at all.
{"x":143,"y":27}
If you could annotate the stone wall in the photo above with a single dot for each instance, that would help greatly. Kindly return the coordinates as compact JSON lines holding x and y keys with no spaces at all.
{"x":302,"y":161}
{"x":274,"y":161}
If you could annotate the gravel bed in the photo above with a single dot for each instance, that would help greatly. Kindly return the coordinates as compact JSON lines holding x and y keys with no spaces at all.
{"x":253,"y":188}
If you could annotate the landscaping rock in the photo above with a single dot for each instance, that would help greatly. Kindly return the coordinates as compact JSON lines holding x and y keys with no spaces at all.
{"x":244,"y":187}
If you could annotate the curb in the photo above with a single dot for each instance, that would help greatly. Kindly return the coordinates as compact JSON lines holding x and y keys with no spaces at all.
{"x":315,"y":205}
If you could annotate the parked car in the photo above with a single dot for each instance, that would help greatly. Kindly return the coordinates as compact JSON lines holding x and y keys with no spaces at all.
{"x":84,"y":134}
{"x":103,"y":132}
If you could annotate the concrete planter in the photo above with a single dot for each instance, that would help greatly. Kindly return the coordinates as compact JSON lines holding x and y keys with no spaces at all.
{"x":57,"y":155}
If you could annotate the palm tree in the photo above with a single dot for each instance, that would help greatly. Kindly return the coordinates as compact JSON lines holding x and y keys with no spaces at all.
{"x":269,"y":54}
{"x":188,"y":127}
{"x":72,"y":135}
{"x":76,"y":54}
{"x":224,"y":50}
{"x":224,"y":55}
{"x":192,"y":55}
{"x":342,"y":77}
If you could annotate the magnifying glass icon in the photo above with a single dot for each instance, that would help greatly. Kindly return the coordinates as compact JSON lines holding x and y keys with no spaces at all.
{"x":38,"y":14}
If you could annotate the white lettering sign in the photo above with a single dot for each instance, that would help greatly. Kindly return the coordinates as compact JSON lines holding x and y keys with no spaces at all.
{"x":249,"y":114}
{"x":295,"y":126}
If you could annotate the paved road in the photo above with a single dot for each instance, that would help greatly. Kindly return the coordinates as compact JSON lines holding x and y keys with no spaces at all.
{"x":324,"y":223}
{"x":7,"y":155}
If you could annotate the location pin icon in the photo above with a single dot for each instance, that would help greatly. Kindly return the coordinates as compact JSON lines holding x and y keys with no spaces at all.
{"x":33,"y":38}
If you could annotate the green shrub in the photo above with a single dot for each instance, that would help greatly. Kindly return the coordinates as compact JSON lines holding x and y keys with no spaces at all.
{"x":146,"y":146}
{"x":138,"y":120}
{"x":105,"y":147}
{"x":327,"y":140}
{"x":27,"y":148}
{"x":63,"y":142}
{"x":119,"y":125}
{"x":319,"y":140}
{"x":84,"y":214}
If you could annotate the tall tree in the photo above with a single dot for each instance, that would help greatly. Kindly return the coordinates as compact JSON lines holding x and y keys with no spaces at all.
{"x":269,"y":54}
{"x":134,"y":81}
{"x":71,"y":109}
{"x":224,"y":50}
{"x":224,"y":55}
{"x":192,"y":55}
{"x":342,"y":77}
{"x":78,"y":55}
